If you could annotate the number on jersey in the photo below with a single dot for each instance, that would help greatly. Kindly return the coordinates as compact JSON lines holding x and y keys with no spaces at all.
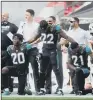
{"x":47,"y":38}
{"x":18,"y":58}
{"x":75,"y":58}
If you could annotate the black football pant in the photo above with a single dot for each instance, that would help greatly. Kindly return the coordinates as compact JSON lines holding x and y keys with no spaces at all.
{"x":3,"y":64}
{"x":56,"y":70}
{"x":33,"y":60}
{"x":78,"y":80}
{"x":14,"y":72}
{"x":49,"y":57}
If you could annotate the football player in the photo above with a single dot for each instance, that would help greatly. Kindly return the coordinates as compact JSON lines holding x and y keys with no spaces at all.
{"x":49,"y":36}
{"x":78,"y":65}
{"x":18,"y":53}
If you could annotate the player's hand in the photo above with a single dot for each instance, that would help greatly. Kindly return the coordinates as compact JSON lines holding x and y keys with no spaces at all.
{"x":64,"y":49}
{"x":63,"y":41}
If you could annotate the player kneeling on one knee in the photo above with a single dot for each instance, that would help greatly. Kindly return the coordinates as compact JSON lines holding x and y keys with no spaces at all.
{"x":78,"y":64}
{"x":18,"y":52}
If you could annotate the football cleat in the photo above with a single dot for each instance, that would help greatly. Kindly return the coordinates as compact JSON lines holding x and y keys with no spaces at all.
{"x":59,"y":92}
{"x":78,"y":92}
{"x":28,"y":91}
{"x":6,"y":92}
{"x":42,"y":92}
{"x":72,"y":92}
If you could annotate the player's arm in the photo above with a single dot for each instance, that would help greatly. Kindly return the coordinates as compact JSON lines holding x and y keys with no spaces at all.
{"x":63,"y":35}
{"x":6,"y":55}
{"x":68,"y":38}
{"x":30,"y":45}
{"x":36,"y":41}
{"x":4,"y":58}
{"x":32,"y":40}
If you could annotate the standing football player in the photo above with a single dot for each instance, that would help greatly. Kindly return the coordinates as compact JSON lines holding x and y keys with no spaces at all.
{"x":52,"y":21}
{"x":49,"y":36}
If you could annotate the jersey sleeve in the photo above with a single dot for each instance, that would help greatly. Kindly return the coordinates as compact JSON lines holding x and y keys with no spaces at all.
{"x":58,"y":28}
{"x":28,"y":46}
{"x":7,"y":54}
{"x":9,"y":50}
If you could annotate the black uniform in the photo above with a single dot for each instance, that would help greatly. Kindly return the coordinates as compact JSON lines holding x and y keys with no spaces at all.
{"x":55,"y":70}
{"x":49,"y":54}
{"x":7,"y":27}
{"x":20,"y":64}
{"x":80,"y":61}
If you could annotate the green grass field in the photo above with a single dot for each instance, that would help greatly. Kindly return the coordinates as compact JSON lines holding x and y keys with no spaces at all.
{"x":47,"y":98}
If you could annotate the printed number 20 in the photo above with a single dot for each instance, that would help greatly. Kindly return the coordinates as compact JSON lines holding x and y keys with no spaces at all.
{"x":18,"y":58}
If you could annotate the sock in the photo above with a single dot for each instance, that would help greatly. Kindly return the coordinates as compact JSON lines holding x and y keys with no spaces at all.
{"x":6,"y":89}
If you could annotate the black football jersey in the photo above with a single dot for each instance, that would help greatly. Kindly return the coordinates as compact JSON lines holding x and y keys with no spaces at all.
{"x":19,"y":57}
{"x":79,"y":59}
{"x":50,"y":38}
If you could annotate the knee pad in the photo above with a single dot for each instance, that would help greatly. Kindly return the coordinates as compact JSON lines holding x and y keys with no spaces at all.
{"x":5,"y":70}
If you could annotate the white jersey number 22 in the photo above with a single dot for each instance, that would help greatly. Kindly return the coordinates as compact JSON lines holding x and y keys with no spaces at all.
{"x":48,"y":36}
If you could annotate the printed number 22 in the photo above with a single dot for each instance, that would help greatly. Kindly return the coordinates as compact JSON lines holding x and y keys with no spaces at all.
{"x":50,"y":36}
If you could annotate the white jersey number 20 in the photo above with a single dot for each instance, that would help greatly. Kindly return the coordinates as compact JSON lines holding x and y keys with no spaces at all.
{"x":18,"y":58}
